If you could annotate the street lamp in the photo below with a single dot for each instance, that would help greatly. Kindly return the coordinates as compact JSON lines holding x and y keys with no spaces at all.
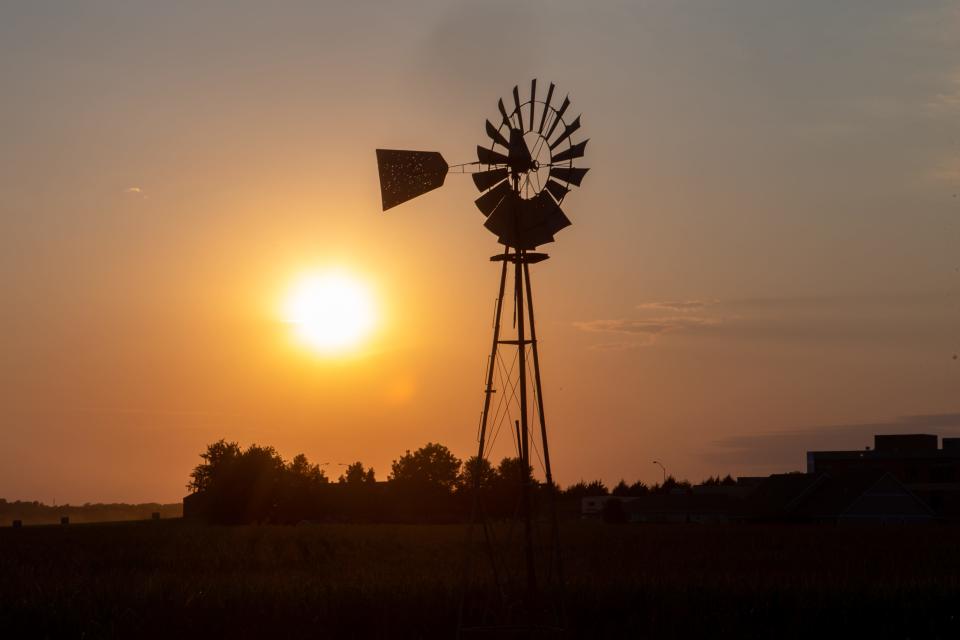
{"x":657,"y":462}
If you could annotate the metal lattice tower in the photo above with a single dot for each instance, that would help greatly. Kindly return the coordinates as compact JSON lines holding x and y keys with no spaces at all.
{"x":524,"y":173}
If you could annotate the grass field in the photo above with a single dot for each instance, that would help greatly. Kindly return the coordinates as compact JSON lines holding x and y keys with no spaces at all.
{"x":170,"y":579}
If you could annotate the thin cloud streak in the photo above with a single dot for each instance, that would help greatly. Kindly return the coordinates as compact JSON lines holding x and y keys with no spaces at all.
{"x":682,"y":306}
{"x":643,"y":327}
{"x":786,"y":449}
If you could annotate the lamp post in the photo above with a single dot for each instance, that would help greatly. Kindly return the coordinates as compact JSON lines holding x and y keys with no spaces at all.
{"x":664,"y":469}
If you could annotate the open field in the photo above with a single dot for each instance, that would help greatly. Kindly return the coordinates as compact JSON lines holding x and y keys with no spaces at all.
{"x":173,"y":579}
{"x":31,"y":513}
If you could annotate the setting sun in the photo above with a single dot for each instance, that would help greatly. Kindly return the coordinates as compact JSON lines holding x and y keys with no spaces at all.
{"x":330,"y":311}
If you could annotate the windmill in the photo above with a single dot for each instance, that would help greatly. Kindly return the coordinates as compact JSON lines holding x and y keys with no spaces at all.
{"x":524,"y":173}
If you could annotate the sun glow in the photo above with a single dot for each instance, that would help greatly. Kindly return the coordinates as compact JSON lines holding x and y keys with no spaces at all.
{"x":331,"y":312}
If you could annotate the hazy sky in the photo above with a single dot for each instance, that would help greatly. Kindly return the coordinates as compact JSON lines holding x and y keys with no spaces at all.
{"x":764,"y":256}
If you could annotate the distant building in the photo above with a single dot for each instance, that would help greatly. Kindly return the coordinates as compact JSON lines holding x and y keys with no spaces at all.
{"x":841,"y":497}
{"x":592,"y":506}
{"x":931,"y":473}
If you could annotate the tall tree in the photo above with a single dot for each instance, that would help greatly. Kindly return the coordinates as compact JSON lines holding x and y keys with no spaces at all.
{"x":476,"y":469}
{"x":355,"y":474}
{"x":301,"y":469}
{"x":432,"y":465}
{"x":216,"y":458}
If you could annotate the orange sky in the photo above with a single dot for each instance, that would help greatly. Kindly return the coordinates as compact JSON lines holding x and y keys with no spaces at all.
{"x":763,"y":256}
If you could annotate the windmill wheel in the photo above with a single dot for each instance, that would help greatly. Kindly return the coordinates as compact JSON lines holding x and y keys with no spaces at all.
{"x":529,"y":170}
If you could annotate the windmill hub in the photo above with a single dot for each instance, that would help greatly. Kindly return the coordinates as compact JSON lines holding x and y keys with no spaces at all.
{"x":524,"y":173}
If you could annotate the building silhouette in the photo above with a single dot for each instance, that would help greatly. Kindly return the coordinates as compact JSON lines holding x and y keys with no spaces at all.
{"x":930,"y":472}
{"x":904,"y":478}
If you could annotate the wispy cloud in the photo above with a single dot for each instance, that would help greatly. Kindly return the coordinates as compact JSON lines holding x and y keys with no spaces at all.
{"x":787,"y":448}
{"x":642,"y":332}
{"x":641,"y":326}
{"x":682,"y":306}
{"x":854,"y":320}
{"x":947,"y":170}
{"x":657,"y":318}
{"x":622,"y":346}
{"x":135,"y":191}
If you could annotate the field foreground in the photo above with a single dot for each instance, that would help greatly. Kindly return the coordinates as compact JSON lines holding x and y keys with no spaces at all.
{"x":172,"y":578}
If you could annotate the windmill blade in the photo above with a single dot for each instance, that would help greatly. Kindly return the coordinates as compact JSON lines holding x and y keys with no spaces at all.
{"x":534,"y":238}
{"x":570,"y":128}
{"x":535,"y":211}
{"x":571,"y":175}
{"x":404,"y":175}
{"x":533,"y":100}
{"x":488,"y":156}
{"x":516,"y":102}
{"x":526,"y":224}
{"x":557,"y":190}
{"x":491,"y":199}
{"x":576,"y":151}
{"x":542,"y":234}
{"x":495,"y":135}
{"x":486,"y":179}
{"x":544,"y":212}
{"x":503,"y":112}
{"x":559,"y":118}
{"x":557,"y":221}
{"x":542,"y":221}
{"x":502,"y":220}
{"x":546,"y":108}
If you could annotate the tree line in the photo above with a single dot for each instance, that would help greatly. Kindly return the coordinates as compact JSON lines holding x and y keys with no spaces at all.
{"x":431,"y":484}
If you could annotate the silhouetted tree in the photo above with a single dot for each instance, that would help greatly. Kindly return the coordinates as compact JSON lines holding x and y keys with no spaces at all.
{"x":671,"y":485}
{"x":422,"y":484}
{"x":432,"y":465}
{"x":597,"y":488}
{"x":247,"y":488}
{"x":356,"y":474}
{"x":577,"y":490}
{"x":476,"y":469}
{"x":505,"y":487}
{"x":301,"y":469}
{"x":622,"y":489}
{"x":217,"y":456}
{"x":510,"y":471}
{"x":582,"y":489}
{"x":256,"y":485}
{"x":357,"y":495}
{"x":638,"y":488}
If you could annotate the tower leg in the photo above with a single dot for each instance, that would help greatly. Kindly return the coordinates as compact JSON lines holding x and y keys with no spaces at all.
{"x":482,"y":441}
{"x":524,"y":434}
{"x":551,"y":487}
{"x":519,"y":602}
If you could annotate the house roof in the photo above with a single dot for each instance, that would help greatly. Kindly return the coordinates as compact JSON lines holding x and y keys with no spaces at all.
{"x":867,"y":493}
{"x":859,"y":493}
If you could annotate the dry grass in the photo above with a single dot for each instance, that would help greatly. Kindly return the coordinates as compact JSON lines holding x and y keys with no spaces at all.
{"x":172,"y":578}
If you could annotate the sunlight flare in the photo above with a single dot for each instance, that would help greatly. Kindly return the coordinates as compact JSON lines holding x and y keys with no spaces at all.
{"x":331,"y":311}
